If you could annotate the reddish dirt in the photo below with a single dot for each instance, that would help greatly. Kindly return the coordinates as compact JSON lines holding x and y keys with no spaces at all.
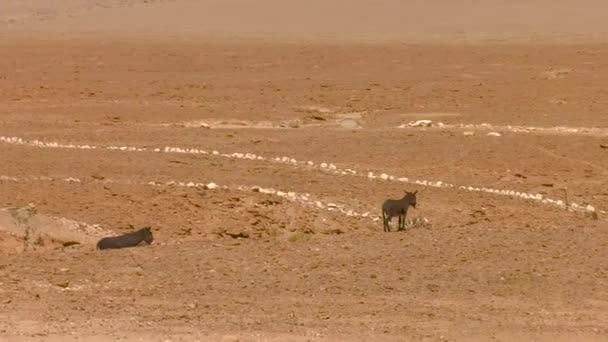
{"x":231,"y":264}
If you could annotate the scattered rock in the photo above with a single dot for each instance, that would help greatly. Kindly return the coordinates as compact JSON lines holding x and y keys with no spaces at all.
{"x":313,"y":109}
{"x":557,"y":101}
{"x":494,"y":134}
{"x":603,"y":146}
{"x":418,"y":123}
{"x":178,"y":162}
{"x":269,"y":202}
{"x":294,"y":124}
{"x":235,"y":234}
{"x":70,"y":243}
{"x":333,"y":231}
{"x":349,"y":124}
{"x":185,"y":231}
{"x":317,"y":118}
{"x":468,"y":134}
{"x":63,"y":284}
{"x":211,"y":186}
{"x":554,"y":74}
{"x":193,"y":124}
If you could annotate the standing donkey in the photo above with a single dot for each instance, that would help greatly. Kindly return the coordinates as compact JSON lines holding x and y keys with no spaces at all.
{"x":392,"y":208}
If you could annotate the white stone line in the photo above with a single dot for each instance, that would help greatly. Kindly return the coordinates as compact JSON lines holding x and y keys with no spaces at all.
{"x":327,"y":167}
{"x":593,"y":131}
{"x":500,"y":192}
{"x":304,"y":199}
{"x":42,"y":144}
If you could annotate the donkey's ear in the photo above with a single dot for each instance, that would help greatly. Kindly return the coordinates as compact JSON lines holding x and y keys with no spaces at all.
{"x":415,"y":192}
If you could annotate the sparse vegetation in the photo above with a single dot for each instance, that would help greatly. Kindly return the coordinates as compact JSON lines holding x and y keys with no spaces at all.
{"x":594,"y":215}
{"x":299,"y":236}
{"x":417,"y":222}
{"x":39,"y":241}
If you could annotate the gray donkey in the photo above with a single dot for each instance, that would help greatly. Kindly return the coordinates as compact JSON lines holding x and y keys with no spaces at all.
{"x":127,"y":240}
{"x":392,"y":208}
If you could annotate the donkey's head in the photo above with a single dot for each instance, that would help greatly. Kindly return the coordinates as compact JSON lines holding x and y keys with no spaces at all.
{"x":411,"y":197}
{"x":146,"y":234}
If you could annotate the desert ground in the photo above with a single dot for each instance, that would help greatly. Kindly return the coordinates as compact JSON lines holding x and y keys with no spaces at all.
{"x":259,"y":139}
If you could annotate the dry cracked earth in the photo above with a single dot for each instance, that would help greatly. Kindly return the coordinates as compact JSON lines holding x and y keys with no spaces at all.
{"x":231,"y":263}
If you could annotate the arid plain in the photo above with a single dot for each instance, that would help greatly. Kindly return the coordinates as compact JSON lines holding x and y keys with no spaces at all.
{"x":258,"y":139}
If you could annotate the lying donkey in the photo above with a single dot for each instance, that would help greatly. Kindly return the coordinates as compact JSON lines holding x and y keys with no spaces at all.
{"x":127,"y":240}
{"x":392,"y":208}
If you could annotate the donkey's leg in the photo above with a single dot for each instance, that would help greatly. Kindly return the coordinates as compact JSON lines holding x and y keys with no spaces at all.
{"x":384,"y":220}
{"x":403,"y":215}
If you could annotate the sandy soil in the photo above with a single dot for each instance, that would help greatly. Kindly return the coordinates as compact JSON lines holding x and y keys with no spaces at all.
{"x":123,"y":85}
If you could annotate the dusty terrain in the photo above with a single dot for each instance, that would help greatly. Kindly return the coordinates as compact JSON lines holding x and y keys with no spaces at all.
{"x":120,"y":105}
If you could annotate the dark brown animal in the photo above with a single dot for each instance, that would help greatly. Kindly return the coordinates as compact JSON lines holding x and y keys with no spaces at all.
{"x":127,"y":240}
{"x":392,"y":208}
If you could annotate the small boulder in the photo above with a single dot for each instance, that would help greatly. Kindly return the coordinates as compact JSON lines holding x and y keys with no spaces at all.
{"x":418,"y":123}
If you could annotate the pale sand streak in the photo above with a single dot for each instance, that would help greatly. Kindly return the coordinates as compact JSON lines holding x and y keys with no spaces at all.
{"x":328,"y":167}
{"x":563,"y":130}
